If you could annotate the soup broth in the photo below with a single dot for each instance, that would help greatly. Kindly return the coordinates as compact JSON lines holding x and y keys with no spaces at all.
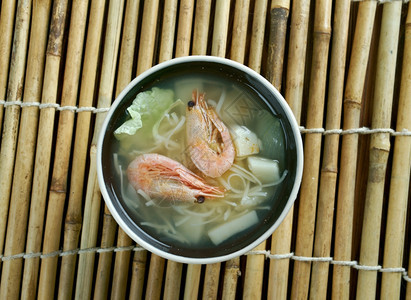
{"x":251,"y":186}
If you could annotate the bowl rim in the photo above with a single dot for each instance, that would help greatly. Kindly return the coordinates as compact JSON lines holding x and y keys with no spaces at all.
{"x":298,"y":144}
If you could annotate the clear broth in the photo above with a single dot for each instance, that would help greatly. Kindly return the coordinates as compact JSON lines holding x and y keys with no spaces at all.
{"x":180,"y":224}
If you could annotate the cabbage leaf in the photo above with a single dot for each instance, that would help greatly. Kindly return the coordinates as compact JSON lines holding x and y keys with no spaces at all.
{"x":146,"y":109}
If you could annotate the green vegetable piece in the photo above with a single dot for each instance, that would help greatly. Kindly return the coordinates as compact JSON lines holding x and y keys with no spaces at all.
{"x":145,"y":110}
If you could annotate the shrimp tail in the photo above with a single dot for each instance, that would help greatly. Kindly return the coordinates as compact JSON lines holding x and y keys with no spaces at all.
{"x":192,"y":180}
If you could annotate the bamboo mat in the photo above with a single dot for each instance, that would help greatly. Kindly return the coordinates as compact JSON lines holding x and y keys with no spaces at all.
{"x":344,"y":68}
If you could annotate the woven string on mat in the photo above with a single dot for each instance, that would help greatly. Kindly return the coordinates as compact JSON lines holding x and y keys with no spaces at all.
{"x":303,"y":130}
{"x":354,"y":264}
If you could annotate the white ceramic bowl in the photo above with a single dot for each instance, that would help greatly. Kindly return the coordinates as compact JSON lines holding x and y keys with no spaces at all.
{"x":273,"y":101}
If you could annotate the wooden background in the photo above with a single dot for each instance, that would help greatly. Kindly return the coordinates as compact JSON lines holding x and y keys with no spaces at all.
{"x":343,"y":66}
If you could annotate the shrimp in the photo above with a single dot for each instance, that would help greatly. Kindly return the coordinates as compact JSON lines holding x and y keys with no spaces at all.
{"x":209,"y":142}
{"x":163,"y":178}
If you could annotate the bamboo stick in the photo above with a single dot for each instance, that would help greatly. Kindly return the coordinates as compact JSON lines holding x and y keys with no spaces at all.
{"x":155,"y":277}
{"x":44,"y":139}
{"x":277,"y":40}
{"x":145,"y":61}
{"x":8,"y":9}
{"x":102,"y":282}
{"x":192,"y":282}
{"x":279,"y":12}
{"x":239,"y":33}
{"x":379,"y":148}
{"x":109,"y":225}
{"x":58,"y":184}
{"x":185,"y":21}
{"x":149,"y":25}
{"x":329,"y":170}
{"x":58,"y":188}
{"x":257,"y":35}
{"x":12,"y":113}
{"x":221,"y":18}
{"x":349,"y":148}
{"x":93,"y":196}
{"x":173,"y":280}
{"x":128,"y":44}
{"x":201,"y":27}
{"x":281,"y":239}
{"x":121,"y":267}
{"x":255,"y":263}
{"x":211,"y":279}
{"x":168,"y":30}
{"x":312,"y":146}
{"x":232,"y":272}
{"x":400,"y":180}
{"x":137,"y":275}
{"x":254,"y":274}
{"x":20,"y":192}
{"x":364,"y":140}
{"x":297,"y":56}
{"x":43,"y":149}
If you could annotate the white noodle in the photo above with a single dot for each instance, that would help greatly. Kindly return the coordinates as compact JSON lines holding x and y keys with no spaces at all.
{"x":154,"y":225}
{"x":278,"y":181}
{"x":220,"y":102}
{"x":144,"y":195}
{"x":178,"y":237}
{"x":178,"y":209}
{"x":232,"y":188}
{"x":167,"y":223}
{"x":174,"y":116}
{"x":198,"y":214}
{"x":258,"y":194}
{"x":240,"y":213}
{"x":263,"y":207}
{"x":175,"y":130}
{"x":116,"y":164}
{"x":245,"y":195}
{"x":227,"y":214}
{"x":169,"y":144}
{"x":151,"y":150}
{"x":121,"y":183}
{"x":250,"y":176}
{"x":166,"y":139}
{"x":182,"y":221}
{"x":206,"y":222}
{"x":164,"y":229}
{"x":212,"y":102}
{"x":255,"y":189}
{"x":224,"y":183}
{"x":230,"y":203}
{"x":240,"y":158}
{"x":235,"y":196}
